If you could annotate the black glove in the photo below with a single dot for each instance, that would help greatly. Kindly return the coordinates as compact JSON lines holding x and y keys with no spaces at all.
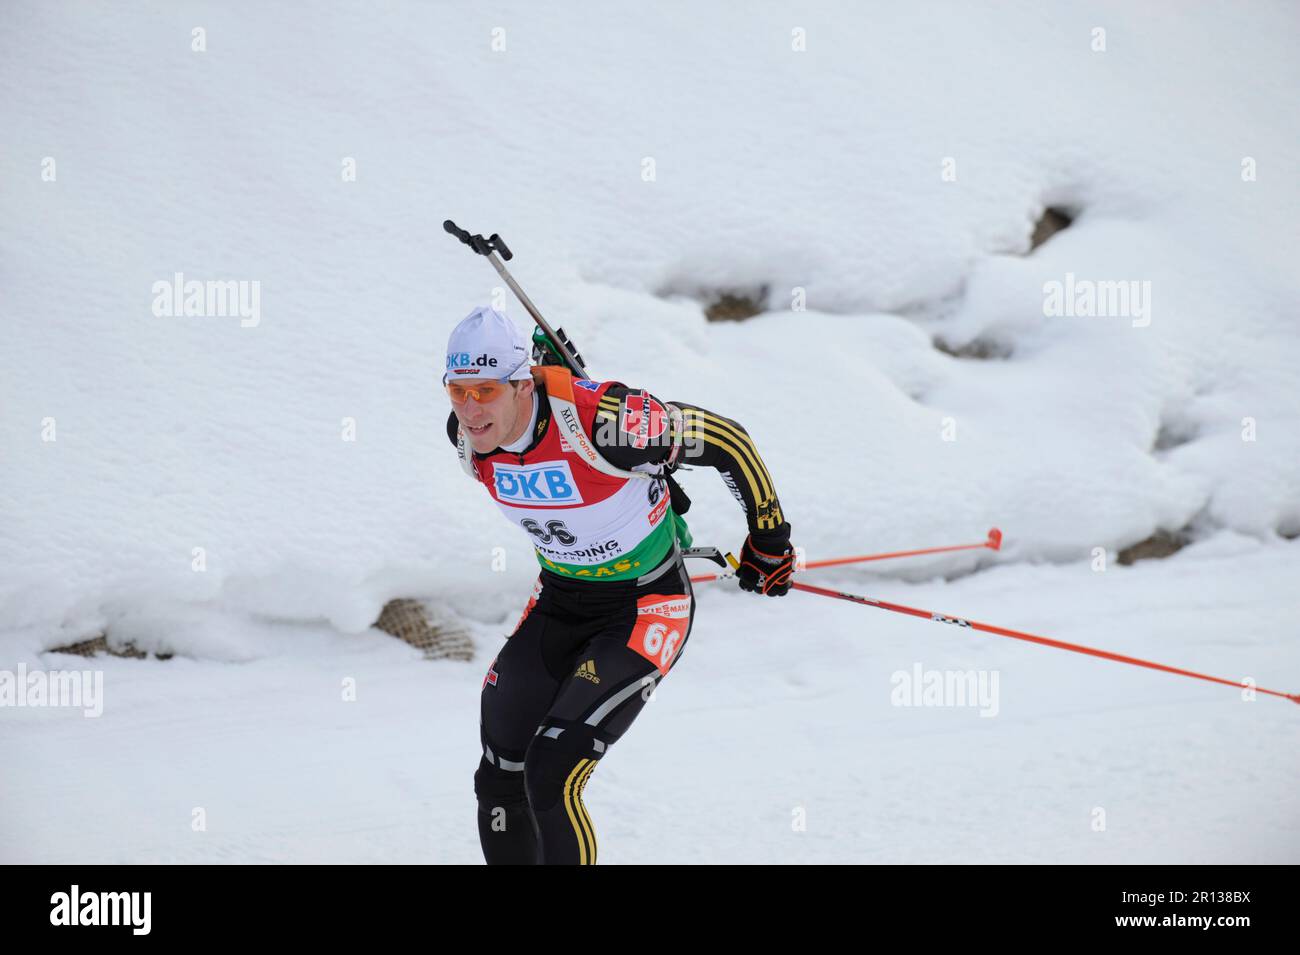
{"x":766,"y":562}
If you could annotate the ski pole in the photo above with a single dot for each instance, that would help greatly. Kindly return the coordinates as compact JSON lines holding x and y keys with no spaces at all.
{"x":1045,"y":641}
{"x":489,"y":247}
{"x":993,"y":542}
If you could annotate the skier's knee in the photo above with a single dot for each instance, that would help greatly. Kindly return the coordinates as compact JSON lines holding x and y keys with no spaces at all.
{"x":495,"y":786}
{"x":557,"y":765}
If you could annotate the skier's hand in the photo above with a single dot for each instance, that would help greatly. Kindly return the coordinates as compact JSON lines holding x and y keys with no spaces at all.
{"x":766,"y":562}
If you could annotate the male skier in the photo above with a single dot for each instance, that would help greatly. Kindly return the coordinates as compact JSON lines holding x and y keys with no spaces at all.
{"x":584,"y":467}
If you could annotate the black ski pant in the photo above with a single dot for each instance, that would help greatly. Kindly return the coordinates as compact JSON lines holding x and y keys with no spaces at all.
{"x":580,"y":665}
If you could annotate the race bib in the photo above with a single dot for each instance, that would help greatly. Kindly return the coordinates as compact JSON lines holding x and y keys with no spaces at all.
{"x":661,"y":625}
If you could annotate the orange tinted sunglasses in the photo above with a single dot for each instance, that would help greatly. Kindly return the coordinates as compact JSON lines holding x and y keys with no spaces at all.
{"x":483,"y":391}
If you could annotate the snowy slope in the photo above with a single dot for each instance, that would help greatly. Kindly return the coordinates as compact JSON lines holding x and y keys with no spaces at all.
{"x":817,"y":171}
{"x":773,"y":710}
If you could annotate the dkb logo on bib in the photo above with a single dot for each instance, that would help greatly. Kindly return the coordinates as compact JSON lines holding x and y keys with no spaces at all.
{"x":549,"y":484}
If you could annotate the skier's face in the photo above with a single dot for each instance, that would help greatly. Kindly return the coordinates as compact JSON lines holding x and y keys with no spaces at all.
{"x":493,"y":422}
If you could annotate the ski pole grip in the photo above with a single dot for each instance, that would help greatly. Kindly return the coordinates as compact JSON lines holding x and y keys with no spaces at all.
{"x":476,"y":242}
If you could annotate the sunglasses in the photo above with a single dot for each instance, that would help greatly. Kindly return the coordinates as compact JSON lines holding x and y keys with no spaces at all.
{"x":482,"y":391}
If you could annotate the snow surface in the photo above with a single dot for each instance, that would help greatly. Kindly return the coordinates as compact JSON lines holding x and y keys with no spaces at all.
{"x":816,"y":170}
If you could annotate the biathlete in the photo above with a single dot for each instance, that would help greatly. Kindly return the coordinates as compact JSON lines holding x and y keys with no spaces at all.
{"x":585,"y":468}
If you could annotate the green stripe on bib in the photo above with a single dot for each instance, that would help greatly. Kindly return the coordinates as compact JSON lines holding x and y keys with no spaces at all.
{"x":640,"y":560}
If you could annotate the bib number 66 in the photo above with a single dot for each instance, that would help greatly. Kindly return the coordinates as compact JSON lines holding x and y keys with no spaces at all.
{"x":660,"y":642}
{"x":660,"y":629}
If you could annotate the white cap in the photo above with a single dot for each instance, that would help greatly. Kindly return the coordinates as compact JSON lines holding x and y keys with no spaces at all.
{"x":486,"y":344}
